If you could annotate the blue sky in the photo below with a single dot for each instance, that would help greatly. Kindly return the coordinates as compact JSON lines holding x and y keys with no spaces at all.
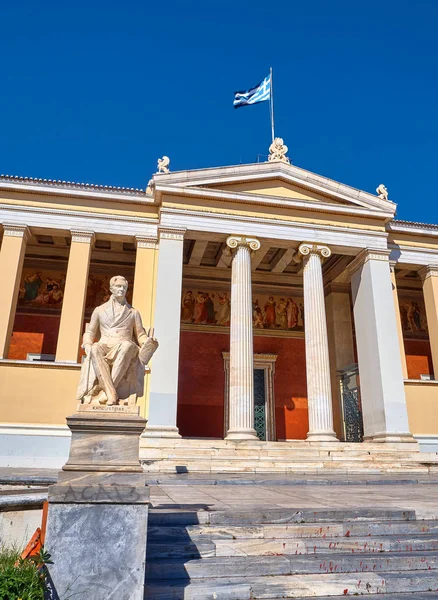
{"x":97,"y":91}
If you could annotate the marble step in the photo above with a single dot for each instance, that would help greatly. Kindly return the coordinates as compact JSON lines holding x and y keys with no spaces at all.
{"x":298,"y":586}
{"x":304,"y":530}
{"x":288,"y":466}
{"x":282,"y":453}
{"x":159,"y":516}
{"x":256,"y":566}
{"x":280,"y":546}
{"x":207,"y":548}
{"x":211,"y":443}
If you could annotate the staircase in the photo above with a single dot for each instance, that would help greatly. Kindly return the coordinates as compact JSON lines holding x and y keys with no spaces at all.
{"x":283,"y":553}
{"x":161,"y":455}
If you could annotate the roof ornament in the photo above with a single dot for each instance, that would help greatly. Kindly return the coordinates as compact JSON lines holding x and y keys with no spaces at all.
{"x":150,"y":186}
{"x":278,"y":150}
{"x":382,"y":192}
{"x":163,"y":164}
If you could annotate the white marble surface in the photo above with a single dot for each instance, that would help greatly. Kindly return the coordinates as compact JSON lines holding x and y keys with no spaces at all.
{"x":384,"y":407}
{"x":241,"y":396}
{"x":317,"y":354}
{"x":164,"y":368}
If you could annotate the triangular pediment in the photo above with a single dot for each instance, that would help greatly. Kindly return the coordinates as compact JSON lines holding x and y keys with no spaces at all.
{"x":277,"y":188}
{"x":274,"y":182}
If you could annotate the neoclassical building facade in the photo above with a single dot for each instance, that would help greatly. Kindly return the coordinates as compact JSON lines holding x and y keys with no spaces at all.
{"x":288,"y":307}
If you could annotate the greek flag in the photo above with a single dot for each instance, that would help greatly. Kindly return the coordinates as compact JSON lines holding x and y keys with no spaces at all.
{"x":259,"y":93}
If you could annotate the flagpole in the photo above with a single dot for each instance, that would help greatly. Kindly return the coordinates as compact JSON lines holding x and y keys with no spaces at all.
{"x":271,"y":106}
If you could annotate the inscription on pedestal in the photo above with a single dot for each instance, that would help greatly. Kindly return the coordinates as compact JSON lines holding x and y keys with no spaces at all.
{"x":109,"y":409}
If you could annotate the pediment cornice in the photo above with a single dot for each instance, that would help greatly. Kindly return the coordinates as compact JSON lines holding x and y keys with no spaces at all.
{"x":274,"y":201}
{"x":289,"y":174}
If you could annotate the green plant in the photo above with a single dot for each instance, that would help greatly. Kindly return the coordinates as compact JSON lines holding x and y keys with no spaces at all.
{"x":21,"y":579}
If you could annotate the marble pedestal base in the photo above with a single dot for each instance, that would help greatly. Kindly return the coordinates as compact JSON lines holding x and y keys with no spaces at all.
{"x":391,"y":438}
{"x":98,"y":509}
{"x":320,"y":436}
{"x":241,"y":434}
{"x":157,"y":431}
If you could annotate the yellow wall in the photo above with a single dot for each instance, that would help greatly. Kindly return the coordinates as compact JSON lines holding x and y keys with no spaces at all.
{"x":86,"y":204}
{"x":422,"y":402}
{"x":37,"y":394}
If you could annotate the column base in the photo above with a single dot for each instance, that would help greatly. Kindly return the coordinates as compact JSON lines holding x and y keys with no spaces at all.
{"x":241,"y":434}
{"x":322,"y":436}
{"x":160,"y":431}
{"x":391,"y":438}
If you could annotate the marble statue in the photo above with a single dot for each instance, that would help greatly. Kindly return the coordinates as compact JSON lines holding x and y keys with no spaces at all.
{"x":278,"y":151}
{"x":113,"y":370}
{"x":163,"y":164}
{"x":382,"y":192}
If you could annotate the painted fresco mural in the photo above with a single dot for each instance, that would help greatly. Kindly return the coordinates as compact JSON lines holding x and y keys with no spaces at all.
{"x":213,"y":308}
{"x":44,"y":289}
{"x":413,"y":315}
{"x":41,"y":289}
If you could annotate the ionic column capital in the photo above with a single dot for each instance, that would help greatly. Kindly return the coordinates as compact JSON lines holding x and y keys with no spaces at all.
{"x":239,"y":241}
{"x":366,"y":255}
{"x":146,"y":242}
{"x":307,"y":248}
{"x":82,"y":236}
{"x":16,"y":230}
{"x":171,"y":233}
{"x":428,"y":271}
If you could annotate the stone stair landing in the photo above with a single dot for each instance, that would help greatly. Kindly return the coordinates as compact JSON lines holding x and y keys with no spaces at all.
{"x":161,"y":455}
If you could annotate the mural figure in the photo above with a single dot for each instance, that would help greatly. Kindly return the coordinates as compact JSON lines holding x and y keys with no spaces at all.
{"x":223,"y":312}
{"x":282,"y":313}
{"x":188,"y":307}
{"x":292,"y":314}
{"x":209,"y":305}
{"x":200,"y":308}
{"x":301,"y":316}
{"x":258,"y":321}
{"x":32,"y":284}
{"x":412,"y":315}
{"x":113,"y":370}
{"x":404,"y":317}
{"x":270,"y":316}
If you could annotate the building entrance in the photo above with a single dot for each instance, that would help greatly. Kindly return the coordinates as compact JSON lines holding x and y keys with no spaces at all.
{"x":260,"y":403}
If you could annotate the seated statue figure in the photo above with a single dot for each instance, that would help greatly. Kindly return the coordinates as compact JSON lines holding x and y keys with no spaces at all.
{"x":113,"y":370}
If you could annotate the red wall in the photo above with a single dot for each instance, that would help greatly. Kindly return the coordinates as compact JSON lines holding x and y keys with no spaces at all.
{"x":202,"y":381}
{"x":418,"y":358}
{"x":33,"y":334}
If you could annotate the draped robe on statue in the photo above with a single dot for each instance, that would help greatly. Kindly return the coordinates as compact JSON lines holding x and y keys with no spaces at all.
{"x":120,"y":332}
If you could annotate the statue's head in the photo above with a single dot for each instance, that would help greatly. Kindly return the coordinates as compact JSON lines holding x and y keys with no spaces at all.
{"x":118,"y":286}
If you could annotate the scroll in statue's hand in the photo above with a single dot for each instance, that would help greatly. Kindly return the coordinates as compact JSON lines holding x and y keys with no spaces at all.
{"x":148,"y":348}
{"x":87,"y":348}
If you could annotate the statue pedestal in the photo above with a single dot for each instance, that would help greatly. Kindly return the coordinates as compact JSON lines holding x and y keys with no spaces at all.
{"x":98,"y":509}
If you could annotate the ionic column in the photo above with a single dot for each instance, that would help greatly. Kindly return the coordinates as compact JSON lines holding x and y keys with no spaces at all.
{"x":319,"y":394}
{"x":75,"y":295}
{"x":241,"y":396}
{"x":163,"y":394}
{"x":11,"y":265}
{"x":384,"y":410}
{"x":430,"y":292}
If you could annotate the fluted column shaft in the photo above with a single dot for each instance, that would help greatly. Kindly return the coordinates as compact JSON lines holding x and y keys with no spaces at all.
{"x":241,"y":396}
{"x":317,"y":354}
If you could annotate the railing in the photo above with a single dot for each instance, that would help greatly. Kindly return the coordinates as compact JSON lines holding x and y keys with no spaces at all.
{"x":351,"y":403}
